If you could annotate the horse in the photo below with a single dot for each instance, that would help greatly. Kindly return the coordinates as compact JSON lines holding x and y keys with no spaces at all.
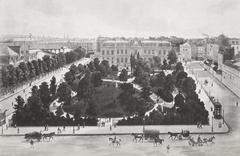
{"x":137,"y":136}
{"x":158,"y":140}
{"x":115,"y":141}
{"x":206,"y":140}
{"x":111,"y":139}
{"x":192,"y":142}
{"x":48,"y":135}
{"x":175,"y":135}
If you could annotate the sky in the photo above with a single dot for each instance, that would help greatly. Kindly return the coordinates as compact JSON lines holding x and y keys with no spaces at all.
{"x":129,"y":18}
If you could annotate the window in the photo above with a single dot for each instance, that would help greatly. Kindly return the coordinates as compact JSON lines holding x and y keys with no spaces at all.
{"x":117,"y":51}
{"x":112,"y":52}
{"x":126,"y":60}
{"x":153,"y":52}
{"x":107,"y":52}
{"x":122,"y":60}
{"x":121,"y":51}
{"x":125,"y":51}
{"x":103,"y":52}
{"x":117,"y":60}
{"x":160,"y":52}
{"x":164,"y":52}
{"x":148,"y":51}
{"x":145,"y":51}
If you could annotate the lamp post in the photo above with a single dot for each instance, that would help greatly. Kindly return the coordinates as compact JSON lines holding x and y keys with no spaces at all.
{"x":143,"y":124}
{"x":223,"y":116}
{"x":212,"y":124}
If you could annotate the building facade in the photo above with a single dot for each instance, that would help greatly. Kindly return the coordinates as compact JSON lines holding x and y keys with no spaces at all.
{"x":201,"y":52}
{"x":118,"y":51}
{"x":235,"y":43}
{"x":187,"y":52}
{"x":212,"y":51}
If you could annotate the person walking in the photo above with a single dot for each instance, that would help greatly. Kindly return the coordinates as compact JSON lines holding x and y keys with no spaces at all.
{"x":110,"y":127}
{"x":31,"y":143}
{"x":168,"y":148}
{"x":18,"y":130}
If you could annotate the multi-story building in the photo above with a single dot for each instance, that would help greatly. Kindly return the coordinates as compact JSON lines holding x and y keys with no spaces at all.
{"x":188,"y":51}
{"x":235,"y":43}
{"x":212,"y":51}
{"x":118,"y":51}
{"x":230,"y":73}
{"x":201,"y":52}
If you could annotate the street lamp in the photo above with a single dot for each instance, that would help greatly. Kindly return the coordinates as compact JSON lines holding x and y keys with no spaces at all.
{"x":143,"y":124}
{"x":223,"y":116}
{"x":212,"y":124}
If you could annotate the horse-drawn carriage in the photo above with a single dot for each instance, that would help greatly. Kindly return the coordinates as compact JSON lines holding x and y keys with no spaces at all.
{"x":185,"y":134}
{"x":33,"y":135}
{"x":151,"y":134}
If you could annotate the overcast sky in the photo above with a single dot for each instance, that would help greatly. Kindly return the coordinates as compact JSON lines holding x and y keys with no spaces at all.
{"x":91,"y":18}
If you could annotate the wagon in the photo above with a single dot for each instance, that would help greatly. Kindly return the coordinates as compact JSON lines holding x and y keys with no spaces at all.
{"x":33,"y":135}
{"x":151,"y":134}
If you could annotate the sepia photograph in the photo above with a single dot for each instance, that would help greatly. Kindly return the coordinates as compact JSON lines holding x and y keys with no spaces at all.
{"x":119,"y":77}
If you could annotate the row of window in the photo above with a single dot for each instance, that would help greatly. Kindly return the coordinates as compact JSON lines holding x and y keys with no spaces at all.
{"x":111,"y":52}
{"x":108,"y":52}
{"x":119,"y":60}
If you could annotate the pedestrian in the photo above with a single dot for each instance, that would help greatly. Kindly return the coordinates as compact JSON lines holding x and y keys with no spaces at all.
{"x":83,"y":124}
{"x":168,"y":148}
{"x":78,"y":126}
{"x":64,"y":128}
{"x":73,"y":130}
{"x":110,"y":127}
{"x":31,"y":143}
{"x":211,"y":109}
{"x":18,"y":131}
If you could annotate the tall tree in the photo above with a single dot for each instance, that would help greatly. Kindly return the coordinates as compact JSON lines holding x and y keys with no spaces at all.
{"x":172,"y":57}
{"x":69,"y":78}
{"x":64,"y":93}
{"x":18,"y":115}
{"x":53,"y":86}
{"x":25,"y":70}
{"x":12,"y":79}
{"x":123,"y":75}
{"x":45,"y":95}
{"x":96,"y":79}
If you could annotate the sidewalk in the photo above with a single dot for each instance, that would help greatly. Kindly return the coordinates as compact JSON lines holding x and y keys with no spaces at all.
{"x":119,"y":130}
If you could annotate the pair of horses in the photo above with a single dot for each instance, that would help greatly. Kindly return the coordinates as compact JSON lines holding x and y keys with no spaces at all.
{"x":137,"y":137}
{"x":157,"y":141}
{"x":48,"y":135}
{"x":200,"y":142}
{"x":114,"y":141}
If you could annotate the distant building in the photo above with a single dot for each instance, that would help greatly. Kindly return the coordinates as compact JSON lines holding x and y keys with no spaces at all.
{"x":230,"y":73}
{"x":201,"y":52}
{"x":212,"y":51}
{"x":188,"y":52}
{"x":235,"y":43}
{"x":118,"y":51}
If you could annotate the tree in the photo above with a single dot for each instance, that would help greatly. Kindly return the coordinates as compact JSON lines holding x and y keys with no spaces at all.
{"x":179,"y":67}
{"x":146,"y":92}
{"x":114,"y":69}
{"x":74,"y":69}
{"x":35,"y":91}
{"x":32,"y":72}
{"x":132,"y":62}
{"x":96,"y":79}
{"x":165,"y":65}
{"x":69,"y":78}
{"x":18,"y":115}
{"x":168,"y":86}
{"x":91,"y":109}
{"x":25,"y":70}
{"x":45,"y":95}
{"x":53,"y":86}
{"x":172,"y":57}
{"x":12,"y":79}
{"x":85,"y":88}
{"x":59,"y":112}
{"x":36,"y":67}
{"x":5,"y":76}
{"x":64,"y":93}
{"x":157,"y":61}
{"x":47,"y":60}
{"x":96,"y":63}
{"x":188,"y":86}
{"x":179,"y":100}
{"x":123,"y":75}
